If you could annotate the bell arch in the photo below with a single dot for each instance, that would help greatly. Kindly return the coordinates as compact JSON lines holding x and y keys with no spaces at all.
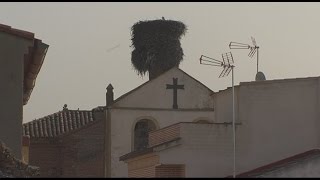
{"x":140,"y":132}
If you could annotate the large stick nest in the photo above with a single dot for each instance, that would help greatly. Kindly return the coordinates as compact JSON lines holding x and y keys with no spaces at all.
{"x":156,"y":44}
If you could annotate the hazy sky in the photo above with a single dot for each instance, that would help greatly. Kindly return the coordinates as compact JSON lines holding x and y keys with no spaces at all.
{"x":90,"y":45}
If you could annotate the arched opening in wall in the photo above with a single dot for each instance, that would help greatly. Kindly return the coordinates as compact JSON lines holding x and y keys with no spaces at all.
{"x":141,"y":130}
{"x":202,"y":121}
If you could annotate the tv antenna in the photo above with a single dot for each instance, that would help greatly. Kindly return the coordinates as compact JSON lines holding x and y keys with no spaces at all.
{"x":227,"y":64}
{"x":253,"y":49}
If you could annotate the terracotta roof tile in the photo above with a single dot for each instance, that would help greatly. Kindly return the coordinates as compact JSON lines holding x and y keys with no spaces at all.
{"x":57,"y":124}
{"x":281,"y":163}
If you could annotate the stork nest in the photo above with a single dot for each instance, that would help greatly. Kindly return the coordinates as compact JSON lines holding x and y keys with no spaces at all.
{"x":156,"y":44}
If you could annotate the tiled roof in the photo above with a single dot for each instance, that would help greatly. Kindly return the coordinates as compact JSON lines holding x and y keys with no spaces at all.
{"x":58,"y":123}
{"x":278,"y":164}
{"x":99,"y":108}
{"x":33,"y":61}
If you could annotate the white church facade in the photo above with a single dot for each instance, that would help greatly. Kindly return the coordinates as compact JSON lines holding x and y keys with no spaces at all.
{"x":275,"y":119}
{"x":151,"y":106}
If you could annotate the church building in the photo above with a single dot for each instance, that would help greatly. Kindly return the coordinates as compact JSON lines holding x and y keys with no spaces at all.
{"x":175,"y":126}
{"x":275,"y":119}
{"x":170,"y":98}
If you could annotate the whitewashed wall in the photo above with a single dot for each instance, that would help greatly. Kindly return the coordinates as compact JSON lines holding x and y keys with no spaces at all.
{"x":153,"y":101}
{"x":12,"y":51}
{"x":206,"y":150}
{"x":279,"y":118}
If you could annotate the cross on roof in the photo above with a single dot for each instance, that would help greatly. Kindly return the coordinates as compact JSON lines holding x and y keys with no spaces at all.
{"x":175,"y":88}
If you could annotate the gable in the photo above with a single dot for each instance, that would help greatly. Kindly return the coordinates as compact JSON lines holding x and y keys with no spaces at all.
{"x":154,"y":93}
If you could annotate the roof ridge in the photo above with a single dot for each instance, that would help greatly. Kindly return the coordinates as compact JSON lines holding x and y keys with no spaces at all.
{"x":279,"y":80}
{"x":280,"y":163}
{"x":17,"y":32}
{"x":152,"y":80}
{"x":56,"y":113}
{"x":58,"y":123}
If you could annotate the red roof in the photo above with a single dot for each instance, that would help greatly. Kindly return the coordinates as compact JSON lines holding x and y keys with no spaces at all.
{"x":58,"y":124}
{"x":278,"y":164}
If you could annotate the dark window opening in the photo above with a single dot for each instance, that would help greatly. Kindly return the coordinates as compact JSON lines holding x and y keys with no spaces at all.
{"x":141,"y":131}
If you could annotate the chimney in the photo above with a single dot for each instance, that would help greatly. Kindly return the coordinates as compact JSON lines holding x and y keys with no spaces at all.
{"x":25,"y":149}
{"x":109,"y":95}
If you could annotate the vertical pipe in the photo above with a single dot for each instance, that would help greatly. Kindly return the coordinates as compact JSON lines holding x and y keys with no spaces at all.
{"x":234,"y":128}
{"x":109,"y":142}
{"x":105,"y":157}
{"x":257,"y":59}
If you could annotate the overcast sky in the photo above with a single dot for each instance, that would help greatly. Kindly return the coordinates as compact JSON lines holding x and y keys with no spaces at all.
{"x":89,"y":45}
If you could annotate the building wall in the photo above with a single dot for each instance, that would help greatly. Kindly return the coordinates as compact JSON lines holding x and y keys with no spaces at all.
{"x":143,"y":166}
{"x":279,"y":118}
{"x":223,"y":105}
{"x":153,"y":101}
{"x":205,"y":149}
{"x":194,"y":94}
{"x":12,"y":51}
{"x":83,"y":152}
{"x":47,"y":156}
{"x":123,"y":122}
{"x":170,"y":171}
{"x":148,"y":166}
{"x":78,"y":154}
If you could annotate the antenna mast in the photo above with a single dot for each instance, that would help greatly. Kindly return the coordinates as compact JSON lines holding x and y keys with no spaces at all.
{"x":253,"y":49}
{"x":226,"y":63}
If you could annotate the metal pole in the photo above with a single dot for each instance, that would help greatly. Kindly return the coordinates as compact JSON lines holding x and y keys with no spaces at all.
{"x":234,"y":127}
{"x":257,"y":59}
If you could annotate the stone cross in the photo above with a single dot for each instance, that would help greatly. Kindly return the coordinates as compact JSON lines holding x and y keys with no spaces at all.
{"x":175,"y":88}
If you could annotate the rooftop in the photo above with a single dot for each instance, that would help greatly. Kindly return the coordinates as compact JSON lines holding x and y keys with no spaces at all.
{"x":33,"y":60}
{"x":58,"y":123}
{"x":281,"y":163}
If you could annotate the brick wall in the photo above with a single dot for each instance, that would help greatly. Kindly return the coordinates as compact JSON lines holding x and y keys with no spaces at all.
{"x":143,"y":166}
{"x":147,"y":166}
{"x":164,"y":135}
{"x":79,"y":154}
{"x":170,"y":170}
{"x":46,"y":156}
{"x":146,"y":172}
{"x":83,"y":152}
